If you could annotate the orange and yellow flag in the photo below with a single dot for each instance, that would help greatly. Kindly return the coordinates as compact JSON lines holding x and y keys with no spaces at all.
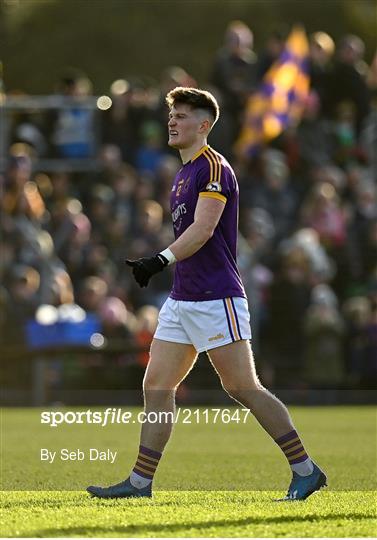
{"x":279,"y":101}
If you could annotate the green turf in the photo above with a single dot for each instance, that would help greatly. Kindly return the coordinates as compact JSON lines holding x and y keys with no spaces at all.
{"x":229,"y":473}
{"x":189,"y":514}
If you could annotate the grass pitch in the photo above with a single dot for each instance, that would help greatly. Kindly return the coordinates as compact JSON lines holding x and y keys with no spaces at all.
{"x":230,"y":475}
{"x":189,"y":514}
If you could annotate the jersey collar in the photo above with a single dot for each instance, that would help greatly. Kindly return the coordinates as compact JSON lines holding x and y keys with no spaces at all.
{"x":199,"y":153}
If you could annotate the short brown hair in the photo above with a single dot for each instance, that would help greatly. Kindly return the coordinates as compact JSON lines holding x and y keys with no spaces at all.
{"x":197,"y":99}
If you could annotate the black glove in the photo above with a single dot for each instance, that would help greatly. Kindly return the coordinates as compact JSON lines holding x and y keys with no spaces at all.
{"x":143,"y":269}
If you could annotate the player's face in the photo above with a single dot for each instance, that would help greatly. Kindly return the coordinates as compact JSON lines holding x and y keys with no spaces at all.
{"x":184,"y":126}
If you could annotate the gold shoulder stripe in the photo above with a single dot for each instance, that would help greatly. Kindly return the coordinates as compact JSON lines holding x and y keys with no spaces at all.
{"x":213,"y":195}
{"x":216,"y":158}
{"x":212,"y":166}
{"x":216,"y":175}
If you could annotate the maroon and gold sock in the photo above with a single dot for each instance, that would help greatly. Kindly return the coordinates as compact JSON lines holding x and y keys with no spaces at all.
{"x":145,"y":467}
{"x":295,"y":453}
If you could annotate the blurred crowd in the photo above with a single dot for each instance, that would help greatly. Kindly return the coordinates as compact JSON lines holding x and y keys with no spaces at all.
{"x":308,"y":213}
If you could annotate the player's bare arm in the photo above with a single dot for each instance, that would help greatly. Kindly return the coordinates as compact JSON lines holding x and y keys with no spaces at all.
{"x":207,"y":215}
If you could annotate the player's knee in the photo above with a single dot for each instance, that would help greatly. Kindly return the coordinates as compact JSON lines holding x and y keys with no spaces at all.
{"x":232,"y":392}
{"x":241,"y":392}
{"x":151,"y":384}
{"x":155,"y":382}
{"x":232,"y":388}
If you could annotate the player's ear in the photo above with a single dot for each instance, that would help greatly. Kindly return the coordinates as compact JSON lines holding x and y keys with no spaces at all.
{"x":205,"y":126}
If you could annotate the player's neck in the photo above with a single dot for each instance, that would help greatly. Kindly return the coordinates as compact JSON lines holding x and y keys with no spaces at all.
{"x":188,"y":153}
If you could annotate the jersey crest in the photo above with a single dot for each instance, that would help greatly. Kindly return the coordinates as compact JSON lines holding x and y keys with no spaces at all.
{"x":214,"y":186}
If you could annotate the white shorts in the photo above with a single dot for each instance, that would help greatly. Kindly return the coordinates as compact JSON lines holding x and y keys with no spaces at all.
{"x":206,"y":325}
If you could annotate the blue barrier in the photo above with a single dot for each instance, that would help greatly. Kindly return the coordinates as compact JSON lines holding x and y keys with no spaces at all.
{"x":62,"y":332}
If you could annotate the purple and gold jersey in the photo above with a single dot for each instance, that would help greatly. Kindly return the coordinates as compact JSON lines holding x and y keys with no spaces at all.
{"x":211,"y":273}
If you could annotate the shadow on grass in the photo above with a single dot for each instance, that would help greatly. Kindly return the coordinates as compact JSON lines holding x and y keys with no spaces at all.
{"x":98,"y":531}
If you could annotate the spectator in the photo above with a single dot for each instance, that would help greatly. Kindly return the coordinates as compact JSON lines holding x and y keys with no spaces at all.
{"x":22,"y":302}
{"x":72,"y":128}
{"x":148,"y":228}
{"x":150,"y":153}
{"x":347,"y":81}
{"x":275,"y":193}
{"x":368,"y":137}
{"x":289,"y":298}
{"x":115,"y":126}
{"x":235,"y":74}
{"x":321,"y":50}
{"x":92,"y":293}
{"x":110,"y":158}
{"x":321,"y":267}
{"x":324,"y":331}
{"x":18,"y":174}
{"x":313,"y":135}
{"x":322,"y":211}
{"x":357,"y":313}
{"x":272,"y":50}
{"x":344,"y":132}
{"x":100,"y":207}
{"x":117,"y":322}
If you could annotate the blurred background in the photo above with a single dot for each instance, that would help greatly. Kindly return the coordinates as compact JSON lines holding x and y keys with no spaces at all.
{"x":86,"y":174}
